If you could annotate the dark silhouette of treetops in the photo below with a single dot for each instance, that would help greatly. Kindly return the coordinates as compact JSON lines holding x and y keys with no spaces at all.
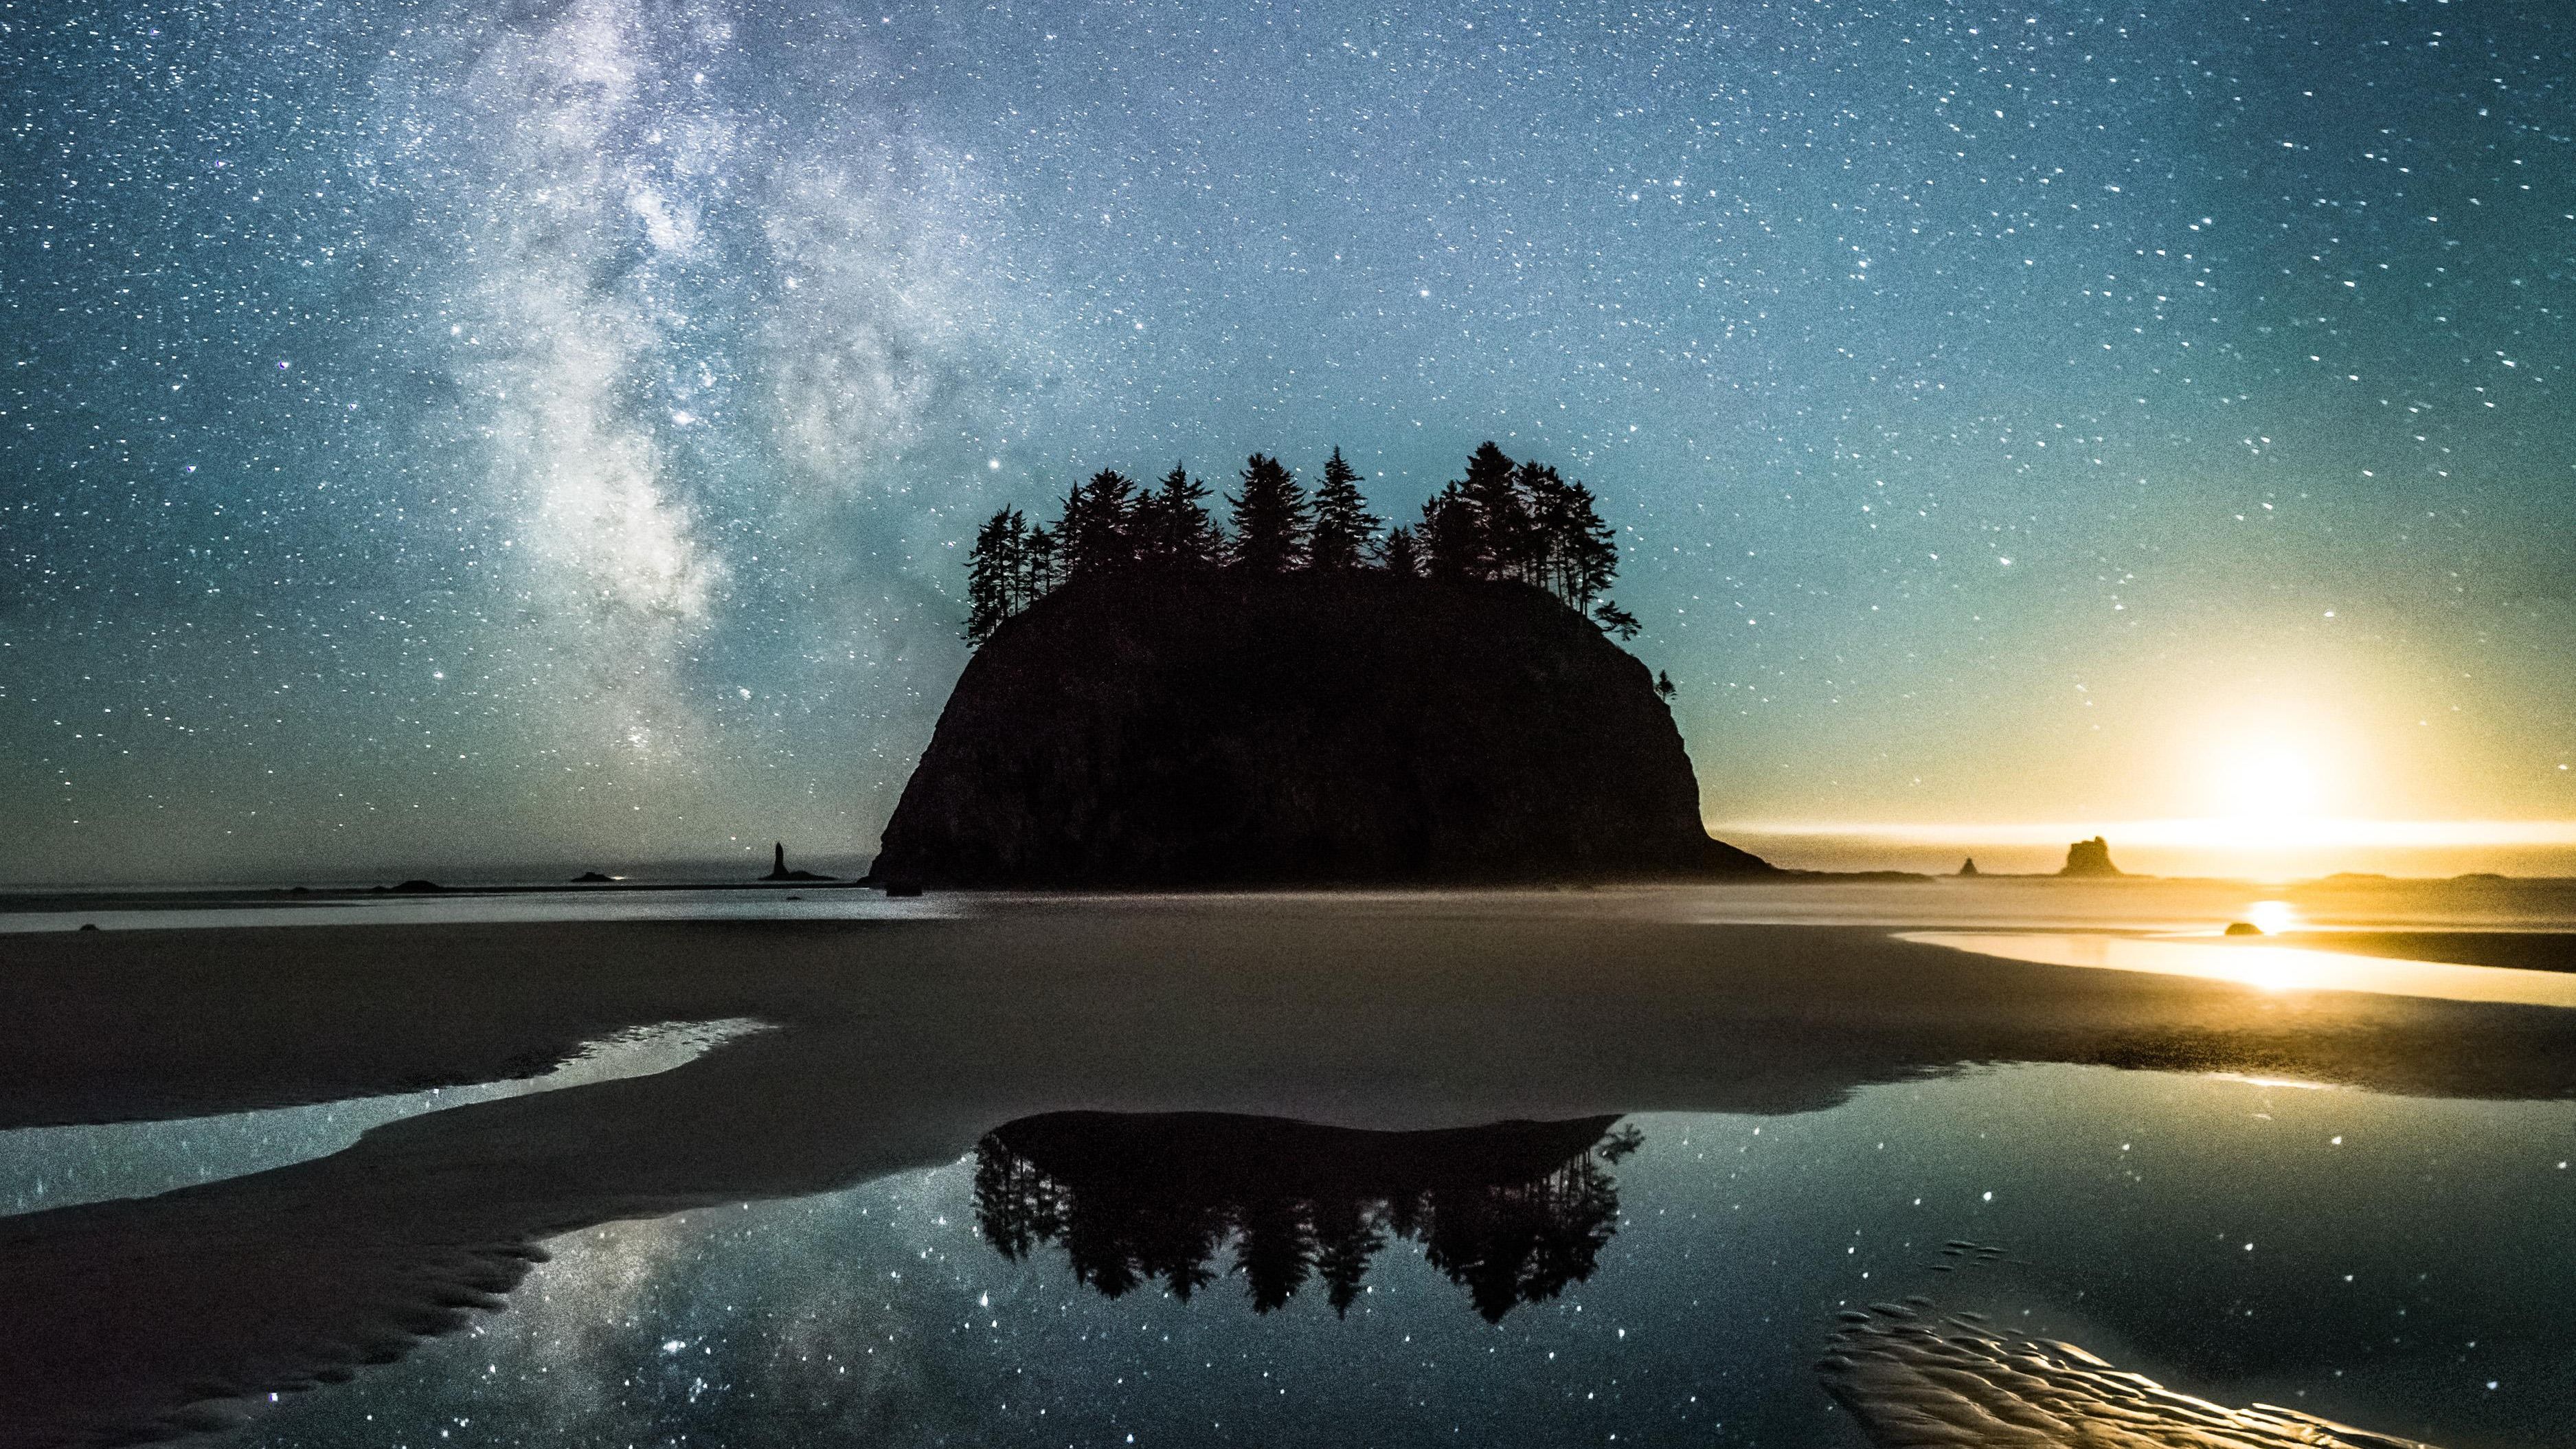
{"x":1505,"y":521}
{"x":1513,"y":1213}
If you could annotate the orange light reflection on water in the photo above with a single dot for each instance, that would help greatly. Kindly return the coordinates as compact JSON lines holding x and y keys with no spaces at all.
{"x":2266,"y":968}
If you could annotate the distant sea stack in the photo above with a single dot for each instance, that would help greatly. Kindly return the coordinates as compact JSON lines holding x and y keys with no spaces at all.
{"x":1234,"y":728}
{"x":2090,"y":858}
{"x":778,"y":870}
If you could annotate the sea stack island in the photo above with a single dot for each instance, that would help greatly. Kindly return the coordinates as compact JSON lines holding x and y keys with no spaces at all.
{"x":1156,"y":703}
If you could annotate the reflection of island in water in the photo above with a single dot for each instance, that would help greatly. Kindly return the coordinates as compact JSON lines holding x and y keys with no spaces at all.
{"x":1512,"y":1212}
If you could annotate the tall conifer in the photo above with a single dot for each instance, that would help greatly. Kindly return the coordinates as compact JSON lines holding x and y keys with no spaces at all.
{"x":1172,"y":525}
{"x":1400,"y":552}
{"x":1096,"y":533}
{"x":1344,"y":527}
{"x":1500,"y":516}
{"x":989,"y":581}
{"x":1450,"y":548}
{"x":1270,"y":518}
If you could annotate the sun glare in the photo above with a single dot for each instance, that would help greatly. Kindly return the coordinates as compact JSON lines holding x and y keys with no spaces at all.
{"x":2272,"y":917}
{"x":2266,"y":782}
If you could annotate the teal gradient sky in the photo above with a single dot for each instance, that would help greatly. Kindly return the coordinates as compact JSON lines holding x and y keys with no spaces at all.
{"x":445,"y":436}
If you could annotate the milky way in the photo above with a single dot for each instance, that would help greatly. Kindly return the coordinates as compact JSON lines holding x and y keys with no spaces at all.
{"x":460,"y":435}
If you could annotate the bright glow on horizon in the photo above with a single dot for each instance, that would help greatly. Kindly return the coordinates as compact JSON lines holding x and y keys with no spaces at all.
{"x":2272,"y":917}
{"x":2203,"y":832}
{"x":2266,"y":784}
{"x":2285,"y":849}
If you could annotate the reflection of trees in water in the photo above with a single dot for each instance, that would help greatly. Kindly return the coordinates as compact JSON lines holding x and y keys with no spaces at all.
{"x":1512,"y":1212}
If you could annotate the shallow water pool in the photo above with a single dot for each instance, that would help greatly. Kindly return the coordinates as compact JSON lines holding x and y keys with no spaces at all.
{"x":2395,"y":1264}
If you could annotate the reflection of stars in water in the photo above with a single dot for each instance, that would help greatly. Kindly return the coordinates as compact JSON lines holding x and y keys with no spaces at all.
{"x":2120,"y":1203}
{"x":642,"y":1329}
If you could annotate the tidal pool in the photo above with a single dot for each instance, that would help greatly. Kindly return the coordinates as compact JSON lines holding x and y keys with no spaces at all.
{"x":1677,"y":1166}
{"x":2397,"y":1264}
{"x":55,"y":1167}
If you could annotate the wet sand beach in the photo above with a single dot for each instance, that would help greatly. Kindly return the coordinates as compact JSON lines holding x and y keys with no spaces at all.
{"x":897,"y":1043}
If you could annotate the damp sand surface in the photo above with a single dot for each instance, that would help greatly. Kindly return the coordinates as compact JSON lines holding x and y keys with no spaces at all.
{"x":896,"y":1045}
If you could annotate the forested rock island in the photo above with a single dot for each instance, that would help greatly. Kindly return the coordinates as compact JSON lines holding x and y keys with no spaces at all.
{"x":1302,"y":697}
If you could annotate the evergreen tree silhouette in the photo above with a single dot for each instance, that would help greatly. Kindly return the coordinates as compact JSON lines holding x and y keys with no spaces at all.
{"x":1615,"y":620}
{"x":1270,"y":518}
{"x":1664,"y":691}
{"x":1449,"y":539}
{"x":1017,"y":1206}
{"x":1593,"y":547}
{"x":991,"y":574}
{"x":1343,"y":527}
{"x":1346,"y":1237}
{"x":1504,"y":536}
{"x":1274,"y":1252}
{"x":1130,"y":1208}
{"x":1011,"y":566}
{"x":1039,"y":569}
{"x":1574,"y":555}
{"x":1173,"y":529}
{"x":1096,"y":534}
{"x":1400,"y":552}
{"x":1504,"y":522}
{"x":1523,"y":1243}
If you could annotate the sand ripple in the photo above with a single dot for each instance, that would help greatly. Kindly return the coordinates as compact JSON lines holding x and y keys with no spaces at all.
{"x":1952,"y":1383}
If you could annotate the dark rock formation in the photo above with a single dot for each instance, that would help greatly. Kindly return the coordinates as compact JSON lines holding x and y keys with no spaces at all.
{"x":778,"y":866}
{"x":1227,"y":728}
{"x":2243,"y":928}
{"x":1968,"y":866}
{"x":2090,"y":858}
{"x":592,"y":877}
{"x":412,"y":888}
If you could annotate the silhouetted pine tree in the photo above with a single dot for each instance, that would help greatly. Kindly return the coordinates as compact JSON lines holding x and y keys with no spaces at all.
{"x":1011,"y":566}
{"x":990,"y":574}
{"x":1172,"y":526}
{"x":1040,"y":567}
{"x":1096,"y":533}
{"x":1505,"y":521}
{"x":1017,"y":1206}
{"x":1400,"y":552}
{"x":1270,"y":518}
{"x":1345,"y":1239}
{"x":1521,"y":1244}
{"x":1500,"y":516}
{"x":1344,"y":527}
{"x":1274,"y":1252}
{"x":1449,"y":540}
{"x":1573,"y":554}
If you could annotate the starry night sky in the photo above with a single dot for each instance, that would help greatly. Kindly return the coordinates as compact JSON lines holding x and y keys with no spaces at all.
{"x":451,"y":436}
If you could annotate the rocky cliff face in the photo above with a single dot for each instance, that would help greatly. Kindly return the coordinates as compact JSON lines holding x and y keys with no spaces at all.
{"x":2090,"y":858}
{"x":1223,"y":729}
